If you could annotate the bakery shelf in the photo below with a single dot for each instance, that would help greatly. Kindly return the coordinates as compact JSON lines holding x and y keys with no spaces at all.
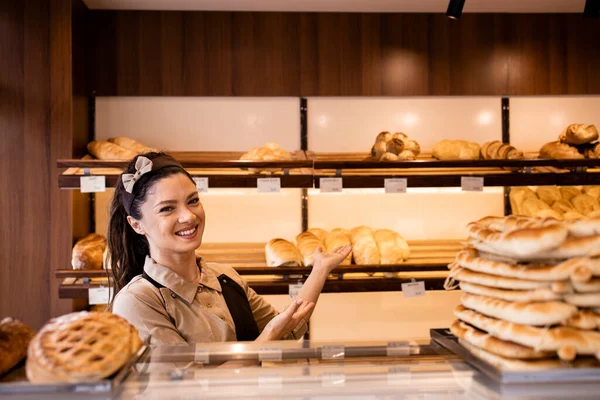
{"x":429,"y":260}
{"x":223,"y":169}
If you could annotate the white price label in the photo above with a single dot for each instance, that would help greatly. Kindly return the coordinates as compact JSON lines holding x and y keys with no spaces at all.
{"x":332,"y":379}
{"x":270,"y":354}
{"x":99,"y":295}
{"x":201,"y":355}
{"x":270,"y":381}
{"x":471,"y":183}
{"x":330,"y":185}
{"x":201,"y":184}
{"x":413,"y":289}
{"x":333,"y":351}
{"x":395,"y":185}
{"x":398,"y":349}
{"x":294,"y":290}
{"x":92,"y":184}
{"x":268,"y":185}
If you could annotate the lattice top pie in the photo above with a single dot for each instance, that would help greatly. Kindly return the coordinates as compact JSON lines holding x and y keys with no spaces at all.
{"x":83,"y":346}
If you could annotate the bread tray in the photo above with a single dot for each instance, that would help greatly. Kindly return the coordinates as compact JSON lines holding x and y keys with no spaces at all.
{"x":568,"y":374}
{"x":107,"y":385}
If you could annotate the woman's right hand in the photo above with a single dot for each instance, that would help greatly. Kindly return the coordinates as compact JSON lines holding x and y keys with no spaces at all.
{"x":293,"y":316}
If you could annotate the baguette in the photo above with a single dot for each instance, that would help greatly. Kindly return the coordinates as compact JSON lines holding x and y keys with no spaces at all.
{"x":364,"y":247}
{"x":559,"y":339}
{"x":494,"y":345}
{"x":132,"y":145}
{"x":103,"y":150}
{"x":537,"y":314}
{"x":88,"y":252}
{"x":307,"y":246}
{"x":281,"y":253}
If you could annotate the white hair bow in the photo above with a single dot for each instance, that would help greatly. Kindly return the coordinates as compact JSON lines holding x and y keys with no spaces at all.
{"x":143,"y":165}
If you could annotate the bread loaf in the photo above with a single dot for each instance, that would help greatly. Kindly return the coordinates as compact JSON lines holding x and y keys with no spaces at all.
{"x":593,"y":191}
{"x":132,"y":145}
{"x":496,"y":150}
{"x":336,"y":238}
{"x":104,"y":150}
{"x":548,"y":194}
{"x":456,"y":150}
{"x":14,"y":339}
{"x":281,"y":253}
{"x":542,"y":313}
{"x":562,"y":206}
{"x":517,"y":196}
{"x":319,"y":233}
{"x":579,"y":134}
{"x":364,"y":247}
{"x":393,"y":249}
{"x":494,"y":345}
{"x":307,"y":246}
{"x":558,"y":150}
{"x":532,"y":206}
{"x":543,"y":339}
{"x":568,"y":192}
{"x":88,"y":252}
{"x":585,"y":204}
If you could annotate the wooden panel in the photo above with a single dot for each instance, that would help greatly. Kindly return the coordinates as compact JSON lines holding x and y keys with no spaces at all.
{"x":171,"y":44}
{"x":128,"y":53}
{"x":583,"y":55}
{"x":151,"y":54}
{"x":103,"y":42}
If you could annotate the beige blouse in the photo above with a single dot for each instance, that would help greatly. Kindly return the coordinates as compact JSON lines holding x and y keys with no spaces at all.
{"x":182,"y":312}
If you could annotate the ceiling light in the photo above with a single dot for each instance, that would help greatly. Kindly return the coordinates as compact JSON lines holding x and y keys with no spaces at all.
{"x":592,"y":9}
{"x":455,"y":8}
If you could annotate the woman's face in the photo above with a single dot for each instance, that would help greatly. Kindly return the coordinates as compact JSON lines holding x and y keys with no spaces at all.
{"x":172,"y":216}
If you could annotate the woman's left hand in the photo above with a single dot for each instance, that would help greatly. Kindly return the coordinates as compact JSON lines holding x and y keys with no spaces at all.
{"x":328,"y":261}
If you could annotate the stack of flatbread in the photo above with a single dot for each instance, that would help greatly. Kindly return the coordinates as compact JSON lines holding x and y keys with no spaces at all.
{"x":531,"y":291}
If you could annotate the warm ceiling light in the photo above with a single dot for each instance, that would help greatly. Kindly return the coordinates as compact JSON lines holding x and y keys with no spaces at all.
{"x":592,"y":9}
{"x":455,"y":8}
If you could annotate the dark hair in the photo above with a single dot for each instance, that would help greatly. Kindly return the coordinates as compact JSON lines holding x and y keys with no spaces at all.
{"x":127,"y":250}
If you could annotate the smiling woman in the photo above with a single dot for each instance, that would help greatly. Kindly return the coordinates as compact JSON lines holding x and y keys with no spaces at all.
{"x":156,"y":224}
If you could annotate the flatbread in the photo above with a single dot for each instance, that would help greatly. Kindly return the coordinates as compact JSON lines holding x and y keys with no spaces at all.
{"x":526,"y":313}
{"x":584,"y":319}
{"x":465,"y":275}
{"x":494,"y":345}
{"x":559,"y":339}
{"x":592,"y":286}
{"x":541,"y":294}
{"x":591,"y":300}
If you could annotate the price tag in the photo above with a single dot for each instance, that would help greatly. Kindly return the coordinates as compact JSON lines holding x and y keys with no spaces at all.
{"x":270,"y":354}
{"x":294,"y":290}
{"x":333,"y":351}
{"x":471,"y":183}
{"x":270,"y":381}
{"x":268,"y":185}
{"x":92,"y":184}
{"x":398,"y":349}
{"x":333,"y":379}
{"x":330,"y":185}
{"x":201,"y":184}
{"x":395,"y":185}
{"x":99,"y":295}
{"x":413,"y":289}
{"x":201,"y":355}
{"x":398,"y":376}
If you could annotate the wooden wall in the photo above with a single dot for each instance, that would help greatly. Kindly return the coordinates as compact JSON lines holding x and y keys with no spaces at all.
{"x":35,"y":129}
{"x":153,"y":53}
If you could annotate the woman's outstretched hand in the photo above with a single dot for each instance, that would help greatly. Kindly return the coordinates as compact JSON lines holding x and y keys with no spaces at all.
{"x":328,"y":261}
{"x":293,"y":315}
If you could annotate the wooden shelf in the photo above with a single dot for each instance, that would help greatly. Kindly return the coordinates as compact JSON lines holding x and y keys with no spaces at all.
{"x":429,"y":260}
{"x":225,"y":170}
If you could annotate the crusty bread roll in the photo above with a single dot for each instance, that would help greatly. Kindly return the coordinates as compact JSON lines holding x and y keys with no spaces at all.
{"x":389,"y":157}
{"x":527,"y":313}
{"x":308,"y":243}
{"x":578,"y":134}
{"x":14,"y":339}
{"x":132,"y":145}
{"x":548,"y":194}
{"x":364,"y":247}
{"x":456,"y":150}
{"x":393,"y":249}
{"x":281,"y":253}
{"x":576,"y":269}
{"x":494,"y":345}
{"x":81,"y":347}
{"x":320,"y":233}
{"x":585,"y":204}
{"x":378,"y":150}
{"x":336,"y":238}
{"x":558,"y":150}
{"x":407,"y":155}
{"x":543,"y":339}
{"x":104,"y":150}
{"x":540,"y":294}
{"x":412,"y":146}
{"x":88,"y":252}
{"x":395,"y":146}
{"x":384,"y":136}
{"x":400,"y":135}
